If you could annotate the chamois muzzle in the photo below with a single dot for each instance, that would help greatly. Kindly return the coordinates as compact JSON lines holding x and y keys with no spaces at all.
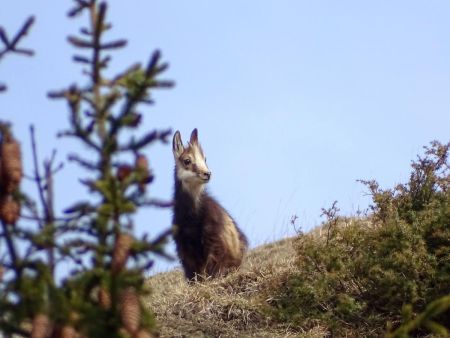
{"x":205,"y":176}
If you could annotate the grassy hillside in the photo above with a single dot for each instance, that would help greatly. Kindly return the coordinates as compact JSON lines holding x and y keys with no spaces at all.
{"x":246,"y":302}
{"x":351,"y":277}
{"x":225,"y":307}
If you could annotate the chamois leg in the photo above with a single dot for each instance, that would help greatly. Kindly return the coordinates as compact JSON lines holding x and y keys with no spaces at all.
{"x":189,"y":269}
{"x":214,"y":268}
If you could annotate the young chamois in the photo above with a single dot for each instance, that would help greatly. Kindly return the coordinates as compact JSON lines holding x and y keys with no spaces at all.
{"x":208,"y":241}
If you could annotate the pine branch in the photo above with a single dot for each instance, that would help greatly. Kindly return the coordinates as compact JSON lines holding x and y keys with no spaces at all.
{"x":37,"y":176}
{"x":45,"y":192}
{"x":13,"y":253}
{"x":151,"y":137}
{"x":155,"y":203}
{"x":11,"y":45}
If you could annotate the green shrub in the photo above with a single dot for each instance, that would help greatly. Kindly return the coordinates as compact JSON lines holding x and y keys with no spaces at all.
{"x":360,"y":273}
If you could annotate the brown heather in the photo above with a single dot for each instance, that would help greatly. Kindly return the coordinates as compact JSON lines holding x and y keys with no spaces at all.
{"x":130,"y":310}
{"x":121,"y":251}
{"x":9,"y":210}
{"x":11,"y":165}
{"x":41,"y":326}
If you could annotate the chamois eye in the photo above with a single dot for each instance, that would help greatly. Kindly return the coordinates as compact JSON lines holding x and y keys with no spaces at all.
{"x":187,"y":161}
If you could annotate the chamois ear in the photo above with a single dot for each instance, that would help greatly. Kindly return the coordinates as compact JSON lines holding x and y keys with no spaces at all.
{"x":194,"y":137}
{"x":177,"y":145}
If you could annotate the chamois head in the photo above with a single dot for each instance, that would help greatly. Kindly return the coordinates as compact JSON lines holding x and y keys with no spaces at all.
{"x":190,"y":162}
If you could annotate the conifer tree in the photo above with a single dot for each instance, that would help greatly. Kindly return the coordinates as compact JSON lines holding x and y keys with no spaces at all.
{"x":100,"y":297}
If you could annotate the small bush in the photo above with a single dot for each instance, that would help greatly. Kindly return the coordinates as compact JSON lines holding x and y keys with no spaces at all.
{"x":362,"y":271}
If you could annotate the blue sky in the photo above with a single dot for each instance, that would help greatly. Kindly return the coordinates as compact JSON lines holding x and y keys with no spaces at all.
{"x":294,"y":100}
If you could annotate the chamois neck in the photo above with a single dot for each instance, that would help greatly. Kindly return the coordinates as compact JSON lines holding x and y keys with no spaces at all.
{"x":193,"y":192}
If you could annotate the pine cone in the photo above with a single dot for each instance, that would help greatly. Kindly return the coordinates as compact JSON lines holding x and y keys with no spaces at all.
{"x":9,"y":210}
{"x":142,"y":166}
{"x":121,"y":251}
{"x":104,"y":298}
{"x":141,"y":163}
{"x":11,"y":165}
{"x":130,"y":310}
{"x":41,"y":326}
{"x":123,"y":172}
{"x":68,"y":332}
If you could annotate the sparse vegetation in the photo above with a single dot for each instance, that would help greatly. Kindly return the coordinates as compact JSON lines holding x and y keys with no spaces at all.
{"x":360,"y":276}
{"x":224,"y":307}
{"x":351,"y":277}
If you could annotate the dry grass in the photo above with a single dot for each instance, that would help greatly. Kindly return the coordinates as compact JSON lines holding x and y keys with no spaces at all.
{"x":226,"y":307}
{"x":232,"y":306}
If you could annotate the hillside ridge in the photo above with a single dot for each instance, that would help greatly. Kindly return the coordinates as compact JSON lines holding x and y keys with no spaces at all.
{"x":225,"y":307}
